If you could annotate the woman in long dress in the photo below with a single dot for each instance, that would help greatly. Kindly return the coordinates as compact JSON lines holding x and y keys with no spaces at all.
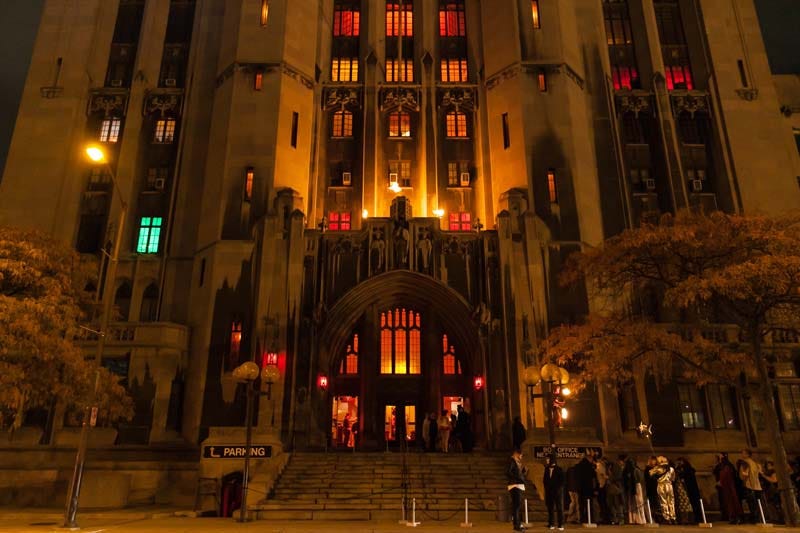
{"x":633,"y":484}
{"x":665,"y":475}
{"x":725,"y":473}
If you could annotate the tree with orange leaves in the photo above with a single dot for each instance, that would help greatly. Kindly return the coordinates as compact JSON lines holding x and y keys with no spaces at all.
{"x":698,"y":272}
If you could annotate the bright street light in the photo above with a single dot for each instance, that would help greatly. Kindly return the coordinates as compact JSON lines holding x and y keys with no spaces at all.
{"x":96,"y":154}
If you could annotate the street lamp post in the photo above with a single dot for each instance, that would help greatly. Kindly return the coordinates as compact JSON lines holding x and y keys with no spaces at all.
{"x":97,"y":156}
{"x":247,"y":373}
{"x":549,"y":377}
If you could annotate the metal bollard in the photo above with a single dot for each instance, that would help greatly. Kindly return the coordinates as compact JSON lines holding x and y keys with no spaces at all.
{"x":704,"y":523}
{"x":589,"y":523}
{"x":466,"y":522}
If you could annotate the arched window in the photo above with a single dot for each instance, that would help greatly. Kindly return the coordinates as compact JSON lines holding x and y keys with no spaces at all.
{"x":400,"y":342}
{"x":149,"y":309}
{"x":451,"y":364}
{"x":349,"y":364}
{"x":122,"y":301}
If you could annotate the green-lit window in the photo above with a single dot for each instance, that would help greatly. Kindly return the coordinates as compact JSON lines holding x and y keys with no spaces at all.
{"x":149,"y":235}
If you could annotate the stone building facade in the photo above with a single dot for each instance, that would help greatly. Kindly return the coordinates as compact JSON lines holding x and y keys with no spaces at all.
{"x":377,"y":195}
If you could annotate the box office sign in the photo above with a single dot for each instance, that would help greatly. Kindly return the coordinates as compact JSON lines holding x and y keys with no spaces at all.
{"x":232,"y":451}
{"x":564,"y":452}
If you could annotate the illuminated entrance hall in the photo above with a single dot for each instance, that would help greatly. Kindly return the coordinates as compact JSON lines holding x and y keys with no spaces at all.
{"x":407,"y":370}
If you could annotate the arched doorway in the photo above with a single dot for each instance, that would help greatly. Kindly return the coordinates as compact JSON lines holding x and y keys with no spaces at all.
{"x":395,"y":349}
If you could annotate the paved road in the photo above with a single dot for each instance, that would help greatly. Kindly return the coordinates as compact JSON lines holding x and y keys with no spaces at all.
{"x":131,"y":522}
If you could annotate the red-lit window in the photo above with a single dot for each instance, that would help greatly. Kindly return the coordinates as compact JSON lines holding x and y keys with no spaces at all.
{"x":400,"y":342}
{"x":454,"y":70}
{"x":344,"y":69}
{"x":678,"y":77}
{"x":542,"y":81}
{"x":399,"y":124}
{"x":342,"y":124}
{"x":535,"y":14}
{"x":349,"y":364}
{"x":619,"y":38}
{"x":399,"y":19}
{"x":234,"y":346}
{"x":451,"y":364}
{"x":452,"y":21}
{"x":399,"y":70}
{"x":346,"y":21}
{"x":625,"y":77}
{"x":249,"y":176}
{"x":552,"y":186}
{"x":456,"y":123}
{"x":339,"y":221}
{"x":460,"y":222}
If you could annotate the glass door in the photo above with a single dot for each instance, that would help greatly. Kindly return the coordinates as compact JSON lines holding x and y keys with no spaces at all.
{"x":344,"y":422}
{"x":399,"y":424}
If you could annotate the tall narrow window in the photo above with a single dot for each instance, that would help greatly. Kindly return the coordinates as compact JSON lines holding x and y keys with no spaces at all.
{"x":619,"y":37}
{"x":165,"y":131}
{"x":722,"y":400}
{"x":400,"y":342}
{"x":456,"y":123}
{"x":264,"y":14}
{"x":451,"y":366}
{"x":399,"y":70}
{"x":506,"y":132}
{"x":399,"y":124}
{"x":148,"y":312}
{"x":692,"y":409}
{"x":109,"y":130}
{"x":542,"y":79}
{"x":258,"y":81}
{"x":789,"y":402}
{"x":454,"y":70}
{"x":452,"y":20}
{"x":346,"y":21}
{"x":742,"y":73}
{"x":535,"y":14}
{"x":349,"y":365}
{"x":552,"y":189}
{"x":149,"y":235}
{"x":460,"y":222}
{"x":295,"y":124}
{"x":235,"y":346}
{"x":458,"y":174}
{"x":249,"y":177}
{"x":401,"y":171}
{"x":399,"y":18}
{"x":339,"y":221}
{"x":342,"y":124}
{"x":344,"y":69}
{"x":674,"y":49}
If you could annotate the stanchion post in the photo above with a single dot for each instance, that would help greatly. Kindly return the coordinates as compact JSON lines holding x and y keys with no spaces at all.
{"x":589,"y":523}
{"x":403,"y":520}
{"x":527,"y":522}
{"x":466,"y":522}
{"x":413,"y":522}
{"x":763,"y":520}
{"x":650,"y":522}
{"x":704,"y":523}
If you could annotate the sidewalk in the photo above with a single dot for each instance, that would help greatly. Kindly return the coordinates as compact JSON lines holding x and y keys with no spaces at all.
{"x":165,"y":522}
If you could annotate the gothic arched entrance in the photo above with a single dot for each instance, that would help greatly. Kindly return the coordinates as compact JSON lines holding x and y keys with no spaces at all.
{"x":394,"y":349}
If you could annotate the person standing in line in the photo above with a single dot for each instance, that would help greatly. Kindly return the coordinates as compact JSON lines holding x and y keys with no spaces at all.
{"x":665,"y":476}
{"x":587,"y":485}
{"x":518,"y":433}
{"x":426,"y":433}
{"x":433,"y":428}
{"x":651,"y":489}
{"x":749,"y":472}
{"x":614,"y":494}
{"x":687,"y":474}
{"x":464,"y":430}
{"x":444,"y":431}
{"x":516,"y":473}
{"x":554,"y":493}
{"x":573,"y":489}
{"x":601,"y":471}
{"x":633,"y":483}
{"x":346,"y":430}
{"x":726,"y":476}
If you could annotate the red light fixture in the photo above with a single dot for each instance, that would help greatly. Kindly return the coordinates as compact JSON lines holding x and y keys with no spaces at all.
{"x":322,"y":382}
{"x":478,"y":382}
{"x":269,"y":358}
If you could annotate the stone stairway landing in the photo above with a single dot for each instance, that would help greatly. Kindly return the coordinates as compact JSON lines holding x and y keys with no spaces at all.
{"x":369,"y":486}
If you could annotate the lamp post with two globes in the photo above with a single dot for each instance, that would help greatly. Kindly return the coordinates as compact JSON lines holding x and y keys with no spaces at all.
{"x":97,"y":156}
{"x":248,"y":373}
{"x":553,"y":379}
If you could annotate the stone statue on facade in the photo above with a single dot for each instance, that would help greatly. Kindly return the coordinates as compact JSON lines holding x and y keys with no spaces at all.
{"x":425,"y":249}
{"x":401,"y":246}
{"x":377,"y":251}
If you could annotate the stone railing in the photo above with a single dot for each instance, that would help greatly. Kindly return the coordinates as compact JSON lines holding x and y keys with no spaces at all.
{"x":161,"y":334}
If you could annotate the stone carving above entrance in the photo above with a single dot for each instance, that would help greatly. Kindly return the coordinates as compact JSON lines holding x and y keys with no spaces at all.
{"x":399,"y":97}
{"x":634,"y":102}
{"x":690,"y":102}
{"x":460,"y":99}
{"x":110,"y":104}
{"x":342,"y":98}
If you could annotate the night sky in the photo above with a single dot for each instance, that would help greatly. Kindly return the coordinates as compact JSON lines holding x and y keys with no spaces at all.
{"x":780,"y":20}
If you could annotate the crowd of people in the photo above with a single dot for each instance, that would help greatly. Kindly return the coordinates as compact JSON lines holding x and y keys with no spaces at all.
{"x":621,"y":492}
{"x":448,"y":431}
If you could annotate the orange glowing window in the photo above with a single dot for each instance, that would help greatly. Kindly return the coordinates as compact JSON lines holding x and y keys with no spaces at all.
{"x":452,"y":21}
{"x":399,"y":18}
{"x":249,"y":176}
{"x":452,"y":366}
{"x":339,"y":221}
{"x":542,"y":79}
{"x":349,"y":365}
{"x":258,"y":81}
{"x":344,"y":69}
{"x":454,"y":70}
{"x":236,"y":339}
{"x":264,"y":15}
{"x":460,"y":222}
{"x":399,"y":124}
{"x":535,"y":14}
{"x":399,"y":70}
{"x":456,"y":123}
{"x":346,"y":21}
{"x":342,"y":124}
{"x":401,"y":345}
{"x":552,"y":187}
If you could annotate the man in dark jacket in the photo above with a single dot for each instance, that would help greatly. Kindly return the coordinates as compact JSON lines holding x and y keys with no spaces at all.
{"x":587,"y":484}
{"x":518,"y":432}
{"x":554,"y":493}
{"x":516,"y":473}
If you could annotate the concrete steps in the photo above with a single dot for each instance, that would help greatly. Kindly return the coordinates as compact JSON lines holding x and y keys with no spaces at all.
{"x":369,"y":486}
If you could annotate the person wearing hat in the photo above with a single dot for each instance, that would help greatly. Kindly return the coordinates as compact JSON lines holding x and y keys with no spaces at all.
{"x":516,"y":487}
{"x":664,"y":475}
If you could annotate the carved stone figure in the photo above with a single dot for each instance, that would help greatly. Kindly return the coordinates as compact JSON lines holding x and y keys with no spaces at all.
{"x":377,"y":251}
{"x":425,"y":248}
{"x":401,"y":246}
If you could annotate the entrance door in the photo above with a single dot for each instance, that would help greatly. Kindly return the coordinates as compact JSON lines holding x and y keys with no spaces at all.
{"x":344,"y":422}
{"x":399,"y":424}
